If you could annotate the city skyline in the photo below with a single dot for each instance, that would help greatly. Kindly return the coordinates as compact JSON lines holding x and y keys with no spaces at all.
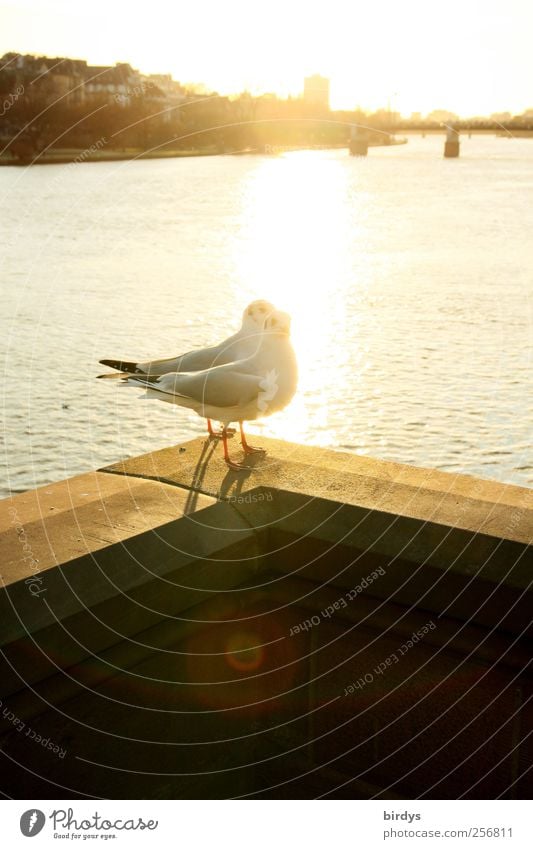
{"x":470,"y":62}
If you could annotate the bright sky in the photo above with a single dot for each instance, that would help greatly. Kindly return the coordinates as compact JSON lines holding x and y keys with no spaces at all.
{"x":469,"y":56}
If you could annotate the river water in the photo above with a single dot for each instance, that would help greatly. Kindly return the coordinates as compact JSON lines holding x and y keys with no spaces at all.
{"x":408,"y":277}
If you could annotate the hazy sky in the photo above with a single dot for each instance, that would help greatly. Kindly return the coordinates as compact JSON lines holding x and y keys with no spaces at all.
{"x":469,"y":56}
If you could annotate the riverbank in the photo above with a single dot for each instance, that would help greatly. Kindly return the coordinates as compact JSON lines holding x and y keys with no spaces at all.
{"x":64,"y":156}
{"x":74,"y":155}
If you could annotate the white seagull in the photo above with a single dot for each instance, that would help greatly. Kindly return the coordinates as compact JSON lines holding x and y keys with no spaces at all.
{"x":240,"y":391}
{"x":239,"y":346}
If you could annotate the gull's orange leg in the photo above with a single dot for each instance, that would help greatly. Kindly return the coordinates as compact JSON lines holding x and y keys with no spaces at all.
{"x":248,"y":449}
{"x":231,"y":464}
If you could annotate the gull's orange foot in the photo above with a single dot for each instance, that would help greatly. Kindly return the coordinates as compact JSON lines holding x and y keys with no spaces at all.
{"x":248,"y":449}
{"x":231,"y":464}
{"x":252,"y":449}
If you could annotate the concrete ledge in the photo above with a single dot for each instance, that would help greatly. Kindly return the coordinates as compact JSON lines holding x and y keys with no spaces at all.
{"x":462,"y":501}
{"x":80,"y":542}
{"x":150,"y":616}
{"x":331,"y":517}
{"x":74,"y":544}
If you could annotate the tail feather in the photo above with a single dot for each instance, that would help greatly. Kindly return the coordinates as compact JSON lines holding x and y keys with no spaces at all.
{"x":144,"y":379}
{"x":122,"y":365}
{"x":152,"y":381}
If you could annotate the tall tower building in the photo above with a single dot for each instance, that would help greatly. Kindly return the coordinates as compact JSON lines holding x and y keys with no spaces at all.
{"x":316,"y":91}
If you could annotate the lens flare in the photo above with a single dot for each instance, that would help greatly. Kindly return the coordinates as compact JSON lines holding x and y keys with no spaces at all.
{"x":244,"y":652}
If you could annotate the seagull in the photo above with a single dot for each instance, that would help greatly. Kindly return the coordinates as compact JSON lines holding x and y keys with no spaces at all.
{"x":244,"y":390}
{"x":239,"y":346}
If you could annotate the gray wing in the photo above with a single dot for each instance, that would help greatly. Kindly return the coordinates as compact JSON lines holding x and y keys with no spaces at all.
{"x":197,"y":360}
{"x":219,"y":387}
{"x":191,"y":361}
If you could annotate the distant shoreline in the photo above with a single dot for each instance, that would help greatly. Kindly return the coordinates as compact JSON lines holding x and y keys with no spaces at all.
{"x":78,"y":156}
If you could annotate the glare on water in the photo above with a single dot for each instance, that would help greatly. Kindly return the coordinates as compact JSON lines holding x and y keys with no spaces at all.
{"x":294,"y":227}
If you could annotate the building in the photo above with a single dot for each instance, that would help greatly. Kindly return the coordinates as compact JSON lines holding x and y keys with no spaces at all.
{"x":56,"y":79}
{"x":442,"y":116}
{"x":120,"y":82}
{"x":316,"y":91}
{"x":173,"y":90}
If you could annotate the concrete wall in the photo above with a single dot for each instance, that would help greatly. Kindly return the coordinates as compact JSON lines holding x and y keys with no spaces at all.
{"x":175,"y":629}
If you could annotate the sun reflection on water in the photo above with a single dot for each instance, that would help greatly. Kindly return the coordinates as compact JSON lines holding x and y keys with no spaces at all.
{"x":298,"y":222}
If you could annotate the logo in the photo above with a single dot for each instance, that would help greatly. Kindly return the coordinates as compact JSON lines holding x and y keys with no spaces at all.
{"x":31,"y":822}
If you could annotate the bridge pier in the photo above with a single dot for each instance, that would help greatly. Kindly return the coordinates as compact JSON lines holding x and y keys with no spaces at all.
{"x":452,"y":144}
{"x":358,"y":145}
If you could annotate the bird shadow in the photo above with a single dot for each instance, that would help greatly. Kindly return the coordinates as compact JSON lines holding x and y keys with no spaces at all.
{"x":232,"y":482}
{"x":198,"y":475}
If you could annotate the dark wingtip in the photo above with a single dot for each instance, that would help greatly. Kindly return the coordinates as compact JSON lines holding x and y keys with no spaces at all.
{"x":120,"y":365}
{"x":143,"y":379}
